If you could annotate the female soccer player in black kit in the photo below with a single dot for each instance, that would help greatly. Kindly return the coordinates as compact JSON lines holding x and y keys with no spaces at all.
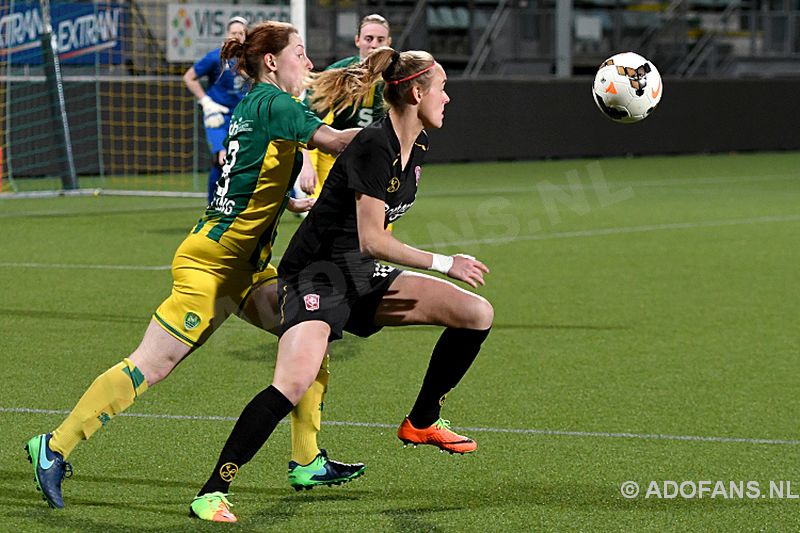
{"x":330,"y":279}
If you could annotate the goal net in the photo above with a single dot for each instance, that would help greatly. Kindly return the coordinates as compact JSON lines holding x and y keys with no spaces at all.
{"x":106,"y":107}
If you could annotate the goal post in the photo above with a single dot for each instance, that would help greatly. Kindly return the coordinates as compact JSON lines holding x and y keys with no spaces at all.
{"x":54,"y":86}
{"x":100,"y":102}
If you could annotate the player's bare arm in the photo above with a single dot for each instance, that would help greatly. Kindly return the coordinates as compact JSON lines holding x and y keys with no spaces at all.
{"x":376,"y":242}
{"x":330,"y":140}
{"x":192,"y":83}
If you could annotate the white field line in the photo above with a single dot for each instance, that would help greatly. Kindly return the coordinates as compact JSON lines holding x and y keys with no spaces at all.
{"x":543,"y":432}
{"x":556,"y":183}
{"x":85,"y":267}
{"x":120,"y":211}
{"x":499,"y":240}
{"x":543,"y":184}
{"x":620,"y":230}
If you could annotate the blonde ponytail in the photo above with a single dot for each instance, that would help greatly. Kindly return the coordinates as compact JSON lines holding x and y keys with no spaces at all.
{"x":338,"y":89}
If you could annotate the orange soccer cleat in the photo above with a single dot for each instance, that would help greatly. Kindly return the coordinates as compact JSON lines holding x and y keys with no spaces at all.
{"x":438,"y":434}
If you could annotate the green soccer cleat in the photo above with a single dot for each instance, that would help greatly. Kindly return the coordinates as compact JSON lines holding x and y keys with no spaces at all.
{"x":213,"y":507}
{"x":49,"y":469}
{"x":322,"y":471}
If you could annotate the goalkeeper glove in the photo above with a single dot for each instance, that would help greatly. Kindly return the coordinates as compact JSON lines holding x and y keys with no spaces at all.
{"x":212,"y":112}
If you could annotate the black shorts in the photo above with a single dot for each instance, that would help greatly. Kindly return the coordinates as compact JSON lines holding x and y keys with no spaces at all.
{"x":344,"y":304}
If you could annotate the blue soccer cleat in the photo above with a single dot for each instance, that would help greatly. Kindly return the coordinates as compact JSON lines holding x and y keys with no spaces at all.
{"x":49,"y":469}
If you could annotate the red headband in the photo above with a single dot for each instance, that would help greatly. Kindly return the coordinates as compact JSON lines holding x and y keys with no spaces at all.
{"x":420,"y":73}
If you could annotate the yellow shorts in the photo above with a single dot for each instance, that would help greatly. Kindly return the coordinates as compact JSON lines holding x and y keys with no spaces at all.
{"x":322,"y":163}
{"x":209,"y":284}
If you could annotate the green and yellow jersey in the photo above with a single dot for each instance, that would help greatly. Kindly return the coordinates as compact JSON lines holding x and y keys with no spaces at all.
{"x":267,"y":129}
{"x":370,"y":110}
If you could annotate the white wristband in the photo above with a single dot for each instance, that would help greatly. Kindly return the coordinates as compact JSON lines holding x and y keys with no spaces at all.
{"x":442,"y":263}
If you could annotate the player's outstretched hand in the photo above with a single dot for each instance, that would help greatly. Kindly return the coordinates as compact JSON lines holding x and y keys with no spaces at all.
{"x":300,"y":205}
{"x":468,"y":269}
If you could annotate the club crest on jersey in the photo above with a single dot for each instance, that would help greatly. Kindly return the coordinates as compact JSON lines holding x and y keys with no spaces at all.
{"x":311,"y":301}
{"x":191,"y":320}
{"x":394,"y":185}
{"x":417,"y":173}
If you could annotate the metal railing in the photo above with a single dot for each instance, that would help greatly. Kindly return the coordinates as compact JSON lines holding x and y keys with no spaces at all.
{"x":708,"y":38}
{"x":704,"y":48}
{"x":484,"y":46}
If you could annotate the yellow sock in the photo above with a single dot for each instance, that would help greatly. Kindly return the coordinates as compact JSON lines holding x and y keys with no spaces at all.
{"x":111,"y":393}
{"x":307,"y":417}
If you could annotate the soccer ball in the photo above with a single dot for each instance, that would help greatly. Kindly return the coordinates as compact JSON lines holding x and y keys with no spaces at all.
{"x":627,"y":88}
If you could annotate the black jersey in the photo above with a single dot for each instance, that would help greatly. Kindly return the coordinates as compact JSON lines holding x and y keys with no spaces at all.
{"x":370,"y":165}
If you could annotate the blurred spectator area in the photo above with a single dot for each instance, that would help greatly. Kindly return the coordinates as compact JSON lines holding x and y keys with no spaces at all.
{"x":483,"y":38}
{"x":477,"y":38}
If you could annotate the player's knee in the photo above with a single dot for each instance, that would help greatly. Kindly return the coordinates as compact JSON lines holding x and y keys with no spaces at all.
{"x":293,"y":389}
{"x":478,"y":314}
{"x":484,"y":314}
{"x":157,"y":357}
{"x":152,"y":372}
{"x":154,"y":367}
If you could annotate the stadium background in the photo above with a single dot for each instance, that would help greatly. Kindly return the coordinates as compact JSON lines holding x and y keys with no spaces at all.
{"x":520,"y":74}
{"x":646,"y":305}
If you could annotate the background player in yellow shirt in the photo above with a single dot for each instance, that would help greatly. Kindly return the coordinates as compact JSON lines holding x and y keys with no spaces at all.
{"x":373,"y":32}
{"x":222,"y":267}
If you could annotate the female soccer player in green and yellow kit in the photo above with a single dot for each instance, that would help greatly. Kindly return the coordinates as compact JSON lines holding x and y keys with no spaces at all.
{"x":223,"y":265}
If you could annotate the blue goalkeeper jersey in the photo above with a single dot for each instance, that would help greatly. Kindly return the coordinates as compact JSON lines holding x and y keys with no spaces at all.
{"x":224,"y":86}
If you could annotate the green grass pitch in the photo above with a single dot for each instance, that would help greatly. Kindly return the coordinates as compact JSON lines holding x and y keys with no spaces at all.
{"x":646,"y":330}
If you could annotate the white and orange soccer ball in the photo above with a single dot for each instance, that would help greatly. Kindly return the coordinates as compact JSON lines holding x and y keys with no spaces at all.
{"x":627,"y":88}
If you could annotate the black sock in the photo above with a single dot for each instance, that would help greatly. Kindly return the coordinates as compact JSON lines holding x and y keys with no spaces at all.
{"x":455,"y":351}
{"x":255,"y":424}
